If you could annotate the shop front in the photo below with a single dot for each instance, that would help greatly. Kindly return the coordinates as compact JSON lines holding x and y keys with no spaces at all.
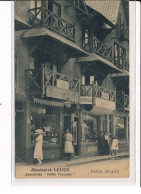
{"x":121,"y":131}
{"x":48,"y":117}
{"x":89,"y":137}
{"x":91,"y":126}
{"x":54,"y":118}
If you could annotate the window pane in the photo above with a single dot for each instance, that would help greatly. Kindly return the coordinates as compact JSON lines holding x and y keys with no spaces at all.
{"x":120,"y":128}
{"x":89,"y":128}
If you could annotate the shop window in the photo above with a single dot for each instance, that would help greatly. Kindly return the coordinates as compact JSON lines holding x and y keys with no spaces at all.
{"x":120,"y":128}
{"x":89,"y":129}
{"x":48,"y":124}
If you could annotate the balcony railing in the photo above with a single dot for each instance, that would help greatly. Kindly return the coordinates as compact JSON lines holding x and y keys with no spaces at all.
{"x":44,"y":17}
{"x":98,"y":92}
{"x":40,"y":79}
{"x":92,"y":45}
{"x":122,"y":31}
{"x":122,"y":62}
{"x":122,"y":101}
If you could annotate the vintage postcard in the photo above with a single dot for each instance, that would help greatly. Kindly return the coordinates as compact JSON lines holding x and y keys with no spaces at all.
{"x":72,"y":89}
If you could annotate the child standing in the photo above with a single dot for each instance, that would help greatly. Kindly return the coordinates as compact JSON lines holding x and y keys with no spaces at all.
{"x":114,"y":146}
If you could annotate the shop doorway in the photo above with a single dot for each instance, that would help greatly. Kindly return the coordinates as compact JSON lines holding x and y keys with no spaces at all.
{"x":67,"y":122}
{"x":73,"y":127}
{"x":19,"y":125}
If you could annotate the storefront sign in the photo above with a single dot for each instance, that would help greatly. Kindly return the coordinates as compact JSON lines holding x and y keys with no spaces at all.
{"x":63,"y":84}
{"x":59,"y":93}
{"x":85,"y":100}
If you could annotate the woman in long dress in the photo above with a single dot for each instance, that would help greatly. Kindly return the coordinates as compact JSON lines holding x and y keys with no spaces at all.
{"x":106,"y":144}
{"x":68,"y":147}
{"x":38,"y":152}
{"x":101,"y":141}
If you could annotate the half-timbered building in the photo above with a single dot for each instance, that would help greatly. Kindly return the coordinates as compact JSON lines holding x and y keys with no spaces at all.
{"x":71,"y":71}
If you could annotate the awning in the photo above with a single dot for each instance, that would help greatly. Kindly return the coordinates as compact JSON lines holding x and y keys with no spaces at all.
{"x":18,"y":19}
{"x":98,"y":111}
{"x":36,"y":32}
{"x":95,"y":57}
{"x":44,"y":102}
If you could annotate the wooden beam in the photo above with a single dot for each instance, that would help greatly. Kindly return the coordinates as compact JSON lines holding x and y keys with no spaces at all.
{"x":36,"y":45}
{"x":86,"y":67}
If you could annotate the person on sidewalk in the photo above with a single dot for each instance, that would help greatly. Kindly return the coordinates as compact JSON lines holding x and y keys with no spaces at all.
{"x":114,"y":146}
{"x":68,"y":146}
{"x":38,"y":151}
{"x":106,"y":144}
{"x":101,"y":141}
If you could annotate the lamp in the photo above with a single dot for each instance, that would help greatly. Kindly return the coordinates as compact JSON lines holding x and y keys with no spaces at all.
{"x":67,"y":103}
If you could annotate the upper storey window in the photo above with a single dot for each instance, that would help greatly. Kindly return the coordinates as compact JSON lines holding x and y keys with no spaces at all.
{"x":120,"y":59}
{"x":54,"y":7}
{"x":122,"y":30}
{"x":57,"y":9}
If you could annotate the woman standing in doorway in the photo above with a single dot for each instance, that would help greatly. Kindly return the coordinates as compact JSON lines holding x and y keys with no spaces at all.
{"x":38,"y":152}
{"x":68,"y":147}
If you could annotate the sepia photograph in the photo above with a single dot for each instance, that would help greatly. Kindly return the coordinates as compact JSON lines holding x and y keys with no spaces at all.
{"x":72,"y":91}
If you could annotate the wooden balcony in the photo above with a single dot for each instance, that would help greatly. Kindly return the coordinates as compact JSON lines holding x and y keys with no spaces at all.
{"x":122,"y":102}
{"x":45,"y":83}
{"x":122,"y":32}
{"x":93,"y":45}
{"x":43,"y":17}
{"x":122,"y":62}
{"x":97,"y":96}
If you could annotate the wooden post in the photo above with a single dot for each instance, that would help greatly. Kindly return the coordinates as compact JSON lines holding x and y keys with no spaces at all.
{"x":61,"y":131}
{"x":79,"y":130}
{"x":101,"y":126}
{"x":28,"y":148}
{"x":42,"y":12}
{"x":107,"y":121}
{"x":93,"y":94}
{"x":113,"y":126}
{"x":42,"y":80}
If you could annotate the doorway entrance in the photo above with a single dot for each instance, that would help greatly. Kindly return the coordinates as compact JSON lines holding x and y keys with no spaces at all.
{"x":73,"y":127}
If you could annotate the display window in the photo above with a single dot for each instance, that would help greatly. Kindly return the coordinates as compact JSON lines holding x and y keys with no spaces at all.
{"x":89,"y":128}
{"x":49,"y":126}
{"x":120,"y":128}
